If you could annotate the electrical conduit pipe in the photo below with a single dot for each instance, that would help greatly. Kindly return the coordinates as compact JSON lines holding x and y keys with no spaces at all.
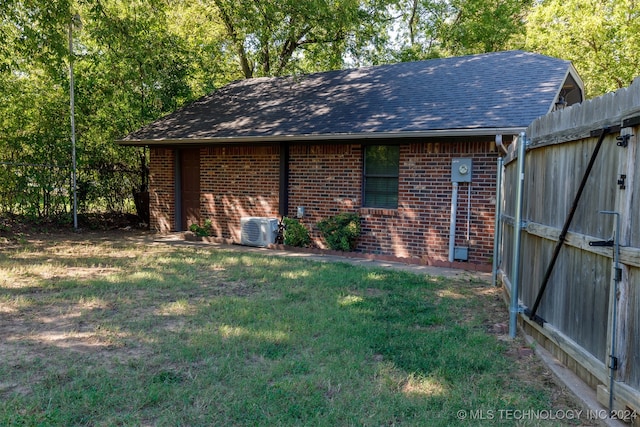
{"x":452,"y":226}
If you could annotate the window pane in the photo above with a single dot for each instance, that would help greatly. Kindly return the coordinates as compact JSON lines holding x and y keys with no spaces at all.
{"x":382,"y":160}
{"x":381,"y":176}
{"x":381,"y":192}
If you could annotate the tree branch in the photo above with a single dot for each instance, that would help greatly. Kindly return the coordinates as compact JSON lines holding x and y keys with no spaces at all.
{"x":413,"y":21}
{"x":247,"y":70}
{"x":294,"y":43}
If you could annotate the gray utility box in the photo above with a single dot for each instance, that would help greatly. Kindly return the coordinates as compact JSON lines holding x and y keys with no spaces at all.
{"x":461,"y":253}
{"x":461,"y":170}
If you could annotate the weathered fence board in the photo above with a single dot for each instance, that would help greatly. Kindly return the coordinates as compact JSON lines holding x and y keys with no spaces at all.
{"x":631,"y":345}
{"x":633,"y":160}
{"x":577,"y":306}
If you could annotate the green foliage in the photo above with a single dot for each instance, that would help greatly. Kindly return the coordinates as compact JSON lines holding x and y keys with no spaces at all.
{"x":425,"y":29}
{"x":121,"y":83}
{"x":478,"y":26}
{"x":276,"y":38}
{"x":295,"y":233}
{"x":202,"y":231}
{"x":600,"y":38}
{"x":341,"y":232}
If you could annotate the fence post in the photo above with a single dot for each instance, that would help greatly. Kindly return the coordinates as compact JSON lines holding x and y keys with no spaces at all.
{"x":627,"y":158}
{"x":515,"y":283}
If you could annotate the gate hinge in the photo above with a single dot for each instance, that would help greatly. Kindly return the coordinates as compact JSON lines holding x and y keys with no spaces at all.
{"x":601,"y":243}
{"x":621,"y":181}
{"x":631,"y":122}
{"x":623,"y":140}
{"x":614,"y":362}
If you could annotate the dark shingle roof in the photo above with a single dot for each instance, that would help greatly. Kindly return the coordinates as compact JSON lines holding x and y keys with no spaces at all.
{"x":488,"y":91}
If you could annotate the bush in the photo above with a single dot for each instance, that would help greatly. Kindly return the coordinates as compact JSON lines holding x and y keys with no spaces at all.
{"x":295,"y":234}
{"x":341,"y":232}
{"x":202,"y":231}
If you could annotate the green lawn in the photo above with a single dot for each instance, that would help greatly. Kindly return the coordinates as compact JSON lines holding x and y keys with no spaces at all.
{"x":124,"y":332}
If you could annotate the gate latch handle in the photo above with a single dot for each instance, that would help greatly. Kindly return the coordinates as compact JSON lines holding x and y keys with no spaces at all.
{"x":601,"y":243}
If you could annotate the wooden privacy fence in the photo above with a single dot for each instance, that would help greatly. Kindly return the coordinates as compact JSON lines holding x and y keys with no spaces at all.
{"x":579,"y":316}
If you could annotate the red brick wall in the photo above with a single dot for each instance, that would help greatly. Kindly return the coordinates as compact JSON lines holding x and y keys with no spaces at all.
{"x":162,"y":189}
{"x":238,"y":181}
{"x":327,"y":179}
{"x":419,"y":228}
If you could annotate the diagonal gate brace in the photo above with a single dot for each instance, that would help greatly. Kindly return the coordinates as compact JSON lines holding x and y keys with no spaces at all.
{"x":601,"y":133}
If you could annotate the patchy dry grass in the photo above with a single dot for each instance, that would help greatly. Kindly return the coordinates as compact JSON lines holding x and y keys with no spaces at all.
{"x":122,"y":331}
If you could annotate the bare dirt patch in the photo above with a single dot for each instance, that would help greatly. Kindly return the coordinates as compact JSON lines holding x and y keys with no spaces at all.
{"x":43,"y":316}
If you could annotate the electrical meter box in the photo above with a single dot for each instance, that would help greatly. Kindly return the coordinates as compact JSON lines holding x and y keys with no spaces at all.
{"x":461,"y":170}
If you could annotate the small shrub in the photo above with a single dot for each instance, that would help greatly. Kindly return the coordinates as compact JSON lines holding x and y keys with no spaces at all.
{"x":202,"y":231}
{"x":341,"y":232}
{"x":295,"y":234}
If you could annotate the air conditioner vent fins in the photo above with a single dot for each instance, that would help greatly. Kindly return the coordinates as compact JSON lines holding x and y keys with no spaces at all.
{"x":257,"y":231}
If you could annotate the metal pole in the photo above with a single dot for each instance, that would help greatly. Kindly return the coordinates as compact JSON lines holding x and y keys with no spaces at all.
{"x":515,"y":282}
{"x":614,"y":324}
{"x":452,"y":229}
{"x":498,"y":224}
{"x":468,"y":213}
{"x":73,"y":128}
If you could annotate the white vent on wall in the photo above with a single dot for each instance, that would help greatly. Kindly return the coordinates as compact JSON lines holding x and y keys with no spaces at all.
{"x":257,"y":231}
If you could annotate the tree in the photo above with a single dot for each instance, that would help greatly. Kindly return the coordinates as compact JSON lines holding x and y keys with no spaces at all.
{"x":478,"y":26}
{"x":276,"y":38}
{"x":601,"y":38}
{"x":33,"y":107}
{"x":132,"y":70}
{"x":434,"y":28}
{"x":122,"y":82}
{"x":138,"y":60}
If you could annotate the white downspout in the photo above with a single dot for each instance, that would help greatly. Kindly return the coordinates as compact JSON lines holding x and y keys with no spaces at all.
{"x":452,"y":229}
{"x":497,"y":235}
{"x":500,"y":145}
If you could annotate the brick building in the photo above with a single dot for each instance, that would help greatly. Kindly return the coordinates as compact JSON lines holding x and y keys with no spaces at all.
{"x":388,"y":142}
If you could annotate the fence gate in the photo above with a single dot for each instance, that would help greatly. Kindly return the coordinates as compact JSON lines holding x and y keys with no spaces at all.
{"x":577,"y":264}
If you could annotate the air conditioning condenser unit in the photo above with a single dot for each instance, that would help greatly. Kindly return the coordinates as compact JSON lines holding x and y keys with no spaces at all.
{"x":257,"y":231}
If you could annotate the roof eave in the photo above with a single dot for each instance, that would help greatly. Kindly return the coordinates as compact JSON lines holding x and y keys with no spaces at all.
{"x":435,"y":133}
